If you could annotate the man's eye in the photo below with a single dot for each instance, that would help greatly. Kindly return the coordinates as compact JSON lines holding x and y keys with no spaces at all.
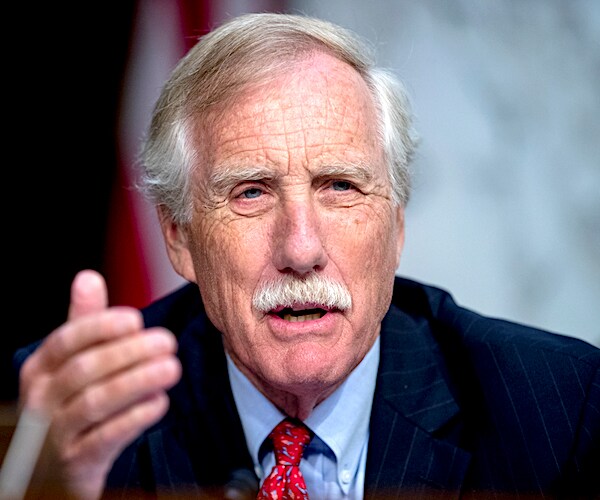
{"x":341,"y":185}
{"x":253,"y":192}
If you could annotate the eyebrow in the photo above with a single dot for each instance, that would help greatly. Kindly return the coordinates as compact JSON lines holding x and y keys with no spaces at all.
{"x":358,"y":171}
{"x":230,"y":175}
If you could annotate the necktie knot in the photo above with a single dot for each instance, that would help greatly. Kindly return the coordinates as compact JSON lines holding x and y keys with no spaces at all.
{"x":290,"y":437}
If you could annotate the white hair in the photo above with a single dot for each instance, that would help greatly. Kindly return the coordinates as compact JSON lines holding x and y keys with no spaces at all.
{"x":247,"y":50}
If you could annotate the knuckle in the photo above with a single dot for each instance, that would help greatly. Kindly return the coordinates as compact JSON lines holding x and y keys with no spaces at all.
{"x":90,"y":405}
{"x":120,"y":385}
{"x":58,"y":341}
{"x":80,"y":368}
{"x":67,"y":455}
{"x":127,"y":351}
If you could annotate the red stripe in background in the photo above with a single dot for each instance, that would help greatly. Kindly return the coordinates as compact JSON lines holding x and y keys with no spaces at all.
{"x":134,"y":274}
{"x":127,"y":278}
{"x":196,"y":20}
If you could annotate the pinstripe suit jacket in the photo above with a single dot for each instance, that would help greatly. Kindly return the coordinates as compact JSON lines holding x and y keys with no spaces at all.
{"x":465,"y":407}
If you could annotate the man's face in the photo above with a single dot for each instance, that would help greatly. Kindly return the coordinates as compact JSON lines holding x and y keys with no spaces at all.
{"x":293,"y":183}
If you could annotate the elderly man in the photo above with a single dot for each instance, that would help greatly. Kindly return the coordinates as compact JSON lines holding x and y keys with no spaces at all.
{"x":278,"y":161}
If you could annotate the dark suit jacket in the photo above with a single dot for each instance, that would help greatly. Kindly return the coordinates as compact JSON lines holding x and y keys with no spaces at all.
{"x":465,"y":407}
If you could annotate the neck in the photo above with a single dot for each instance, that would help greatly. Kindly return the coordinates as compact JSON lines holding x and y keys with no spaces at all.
{"x":298,"y":400}
{"x":300,"y":403}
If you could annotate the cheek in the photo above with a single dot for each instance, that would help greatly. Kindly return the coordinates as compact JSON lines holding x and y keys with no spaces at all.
{"x":228,"y":260}
{"x":226,"y":247}
{"x":367,"y":250}
{"x":367,"y":240}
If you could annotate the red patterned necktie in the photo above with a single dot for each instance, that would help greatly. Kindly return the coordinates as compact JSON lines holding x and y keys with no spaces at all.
{"x":285,"y":482}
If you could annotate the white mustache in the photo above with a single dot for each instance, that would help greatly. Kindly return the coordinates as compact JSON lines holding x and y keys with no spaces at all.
{"x":312,"y":289}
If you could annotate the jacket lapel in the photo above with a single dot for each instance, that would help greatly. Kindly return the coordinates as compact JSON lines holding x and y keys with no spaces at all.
{"x":414,"y":417}
{"x":200,"y":448}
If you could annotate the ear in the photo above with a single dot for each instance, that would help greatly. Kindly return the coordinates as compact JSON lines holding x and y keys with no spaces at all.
{"x":399,"y":233}
{"x":177,"y":242}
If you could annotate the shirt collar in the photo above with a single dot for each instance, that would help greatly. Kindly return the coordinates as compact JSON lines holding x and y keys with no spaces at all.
{"x":350,"y":403}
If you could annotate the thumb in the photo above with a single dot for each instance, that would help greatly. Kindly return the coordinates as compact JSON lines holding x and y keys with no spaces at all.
{"x":88,"y":294}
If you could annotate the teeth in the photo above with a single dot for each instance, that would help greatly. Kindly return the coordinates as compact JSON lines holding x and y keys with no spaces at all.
{"x":305,"y":317}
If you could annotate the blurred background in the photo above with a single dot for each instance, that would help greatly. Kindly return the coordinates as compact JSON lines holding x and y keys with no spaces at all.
{"x":506,"y":206}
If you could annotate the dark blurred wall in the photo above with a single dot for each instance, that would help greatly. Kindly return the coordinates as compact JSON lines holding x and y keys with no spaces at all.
{"x":63,"y":68}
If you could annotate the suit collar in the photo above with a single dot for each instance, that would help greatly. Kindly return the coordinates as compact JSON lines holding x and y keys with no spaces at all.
{"x":410,"y":375}
{"x":413,"y":410}
{"x":200,"y":441}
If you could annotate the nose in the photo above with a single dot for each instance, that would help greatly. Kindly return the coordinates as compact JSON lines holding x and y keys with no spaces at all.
{"x":298,"y":240}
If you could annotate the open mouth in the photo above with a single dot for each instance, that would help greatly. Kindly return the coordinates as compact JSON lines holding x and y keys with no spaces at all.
{"x":289,"y":314}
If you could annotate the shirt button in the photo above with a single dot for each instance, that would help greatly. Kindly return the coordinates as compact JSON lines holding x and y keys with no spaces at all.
{"x":346,"y":476}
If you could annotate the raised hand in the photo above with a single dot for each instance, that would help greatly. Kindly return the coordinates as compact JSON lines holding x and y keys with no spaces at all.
{"x":100,"y":379}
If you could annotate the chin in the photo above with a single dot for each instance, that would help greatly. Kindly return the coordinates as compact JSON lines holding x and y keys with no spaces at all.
{"x":314,"y":367}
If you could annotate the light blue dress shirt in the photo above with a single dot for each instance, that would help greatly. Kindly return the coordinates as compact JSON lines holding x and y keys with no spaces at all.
{"x":334,"y":463}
